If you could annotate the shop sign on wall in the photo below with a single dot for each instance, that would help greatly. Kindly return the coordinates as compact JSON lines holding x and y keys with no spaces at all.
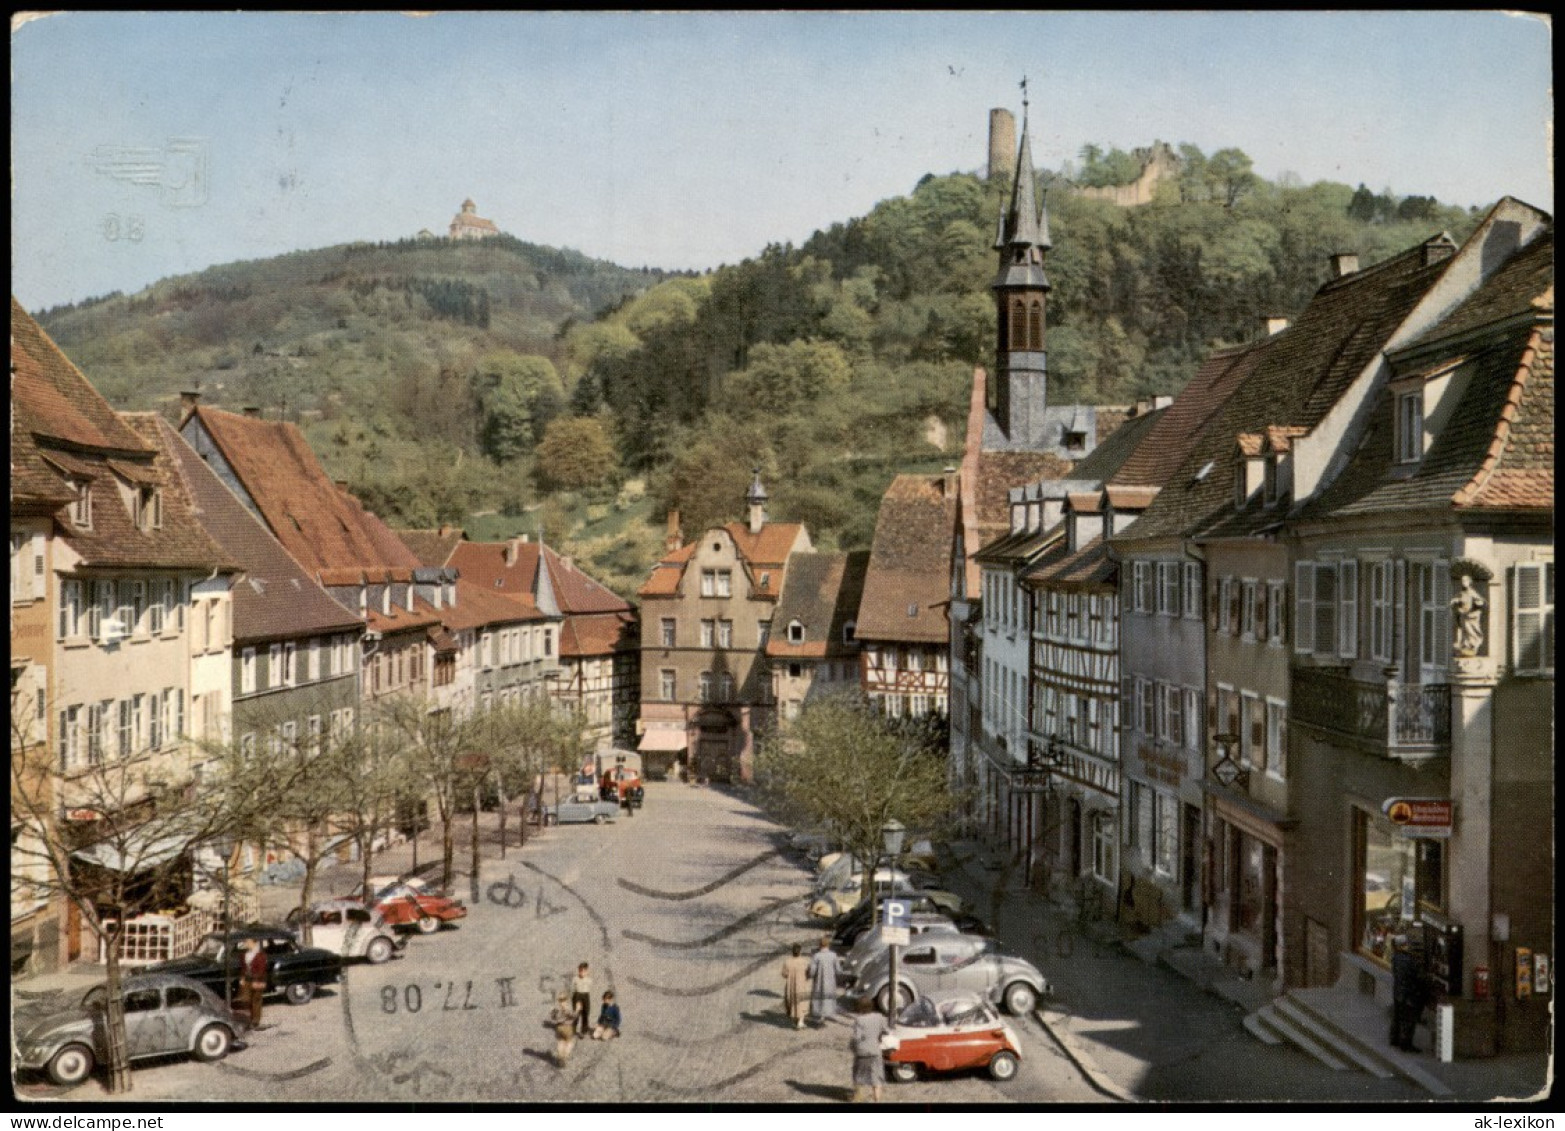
{"x":1419,"y":816}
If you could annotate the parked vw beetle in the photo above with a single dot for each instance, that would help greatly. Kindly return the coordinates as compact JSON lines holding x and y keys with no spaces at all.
{"x":962,"y":1031}
{"x":348,"y":928}
{"x":164,"y":1014}
{"x":940,"y":966}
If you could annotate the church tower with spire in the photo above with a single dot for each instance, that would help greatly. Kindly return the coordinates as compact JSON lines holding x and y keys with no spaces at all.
{"x":1021,"y":297}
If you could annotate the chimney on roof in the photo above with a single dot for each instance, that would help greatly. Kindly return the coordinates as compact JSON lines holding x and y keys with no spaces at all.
{"x":1143,"y":406}
{"x":567,"y":563}
{"x":1275,"y":323}
{"x":253,"y":411}
{"x":675,"y":537}
{"x":445,"y":530}
{"x":513,"y":549}
{"x":1438,"y":250}
{"x":1161,"y":400}
{"x":948,"y":482}
{"x":1344,"y":263}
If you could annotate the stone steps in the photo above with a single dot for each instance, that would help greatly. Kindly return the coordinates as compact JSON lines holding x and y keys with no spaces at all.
{"x":1341,"y":1029}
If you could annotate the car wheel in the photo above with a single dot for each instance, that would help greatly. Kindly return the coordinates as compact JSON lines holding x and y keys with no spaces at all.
{"x":71,"y":1065}
{"x":379,"y":950}
{"x":299,"y":992}
{"x":213,"y":1042}
{"x":902,"y":1071}
{"x":1002,"y":1066}
{"x":904,"y":998}
{"x":1020,"y":998}
{"x":598,"y":819}
{"x":428,"y":925}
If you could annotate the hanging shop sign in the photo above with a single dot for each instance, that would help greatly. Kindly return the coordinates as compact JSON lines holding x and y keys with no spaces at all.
{"x":83,"y":815}
{"x":1420,"y":816}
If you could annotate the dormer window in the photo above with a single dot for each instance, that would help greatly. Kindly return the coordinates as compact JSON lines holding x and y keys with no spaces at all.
{"x":795,"y":632}
{"x":1410,"y":426}
{"x":849,"y":632}
{"x":1270,"y":482}
{"x":81,"y":508}
{"x":149,"y":509}
{"x":1075,"y":441}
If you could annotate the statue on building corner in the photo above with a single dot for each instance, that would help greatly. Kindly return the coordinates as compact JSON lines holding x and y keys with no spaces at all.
{"x":1467,"y":609}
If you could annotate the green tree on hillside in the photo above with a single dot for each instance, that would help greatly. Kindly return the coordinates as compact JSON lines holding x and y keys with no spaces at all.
{"x":513,"y":391}
{"x":576,"y":454}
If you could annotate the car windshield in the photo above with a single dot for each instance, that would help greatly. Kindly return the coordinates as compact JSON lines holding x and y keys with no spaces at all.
{"x":921,"y":1014}
{"x":965,"y":1013}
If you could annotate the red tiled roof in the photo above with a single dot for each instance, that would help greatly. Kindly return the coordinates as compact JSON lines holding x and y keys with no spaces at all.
{"x":431,"y":547}
{"x":907,"y":584}
{"x":596,"y":634}
{"x":763,"y":553}
{"x":485,"y":565}
{"x":1518,"y":468}
{"x":476,"y":607}
{"x":54,"y":401}
{"x":422,"y":615}
{"x":321,"y":525}
{"x":277,"y":597}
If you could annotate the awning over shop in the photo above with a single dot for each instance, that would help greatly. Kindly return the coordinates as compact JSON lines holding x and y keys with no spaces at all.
{"x":663,"y":739}
{"x":135,"y":855}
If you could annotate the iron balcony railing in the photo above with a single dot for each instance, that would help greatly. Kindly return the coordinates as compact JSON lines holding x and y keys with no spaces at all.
{"x":1406,"y":720}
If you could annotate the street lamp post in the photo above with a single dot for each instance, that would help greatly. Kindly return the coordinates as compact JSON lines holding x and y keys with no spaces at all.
{"x":891,"y":835}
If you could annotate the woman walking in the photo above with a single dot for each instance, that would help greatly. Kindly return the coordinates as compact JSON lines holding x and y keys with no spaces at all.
{"x":824,"y":970}
{"x":796,"y":986}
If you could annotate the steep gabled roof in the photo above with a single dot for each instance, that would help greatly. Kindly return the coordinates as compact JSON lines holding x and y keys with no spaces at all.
{"x":321,"y":525}
{"x":908,"y":582}
{"x":823,"y":593}
{"x":277,"y":597}
{"x":485,"y":564}
{"x":764,"y":557}
{"x":52,"y":399}
{"x":432,"y":547}
{"x":1290,"y":379}
{"x":1176,"y":428}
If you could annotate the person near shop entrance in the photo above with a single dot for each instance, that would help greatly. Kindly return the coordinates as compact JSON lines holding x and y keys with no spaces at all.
{"x":1407,"y":994}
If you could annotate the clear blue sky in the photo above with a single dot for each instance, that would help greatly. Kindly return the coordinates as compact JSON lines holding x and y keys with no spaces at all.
{"x":689,"y":140}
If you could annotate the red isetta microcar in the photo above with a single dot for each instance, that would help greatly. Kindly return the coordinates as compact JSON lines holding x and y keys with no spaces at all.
{"x":411,"y":902}
{"x":947,"y":1036}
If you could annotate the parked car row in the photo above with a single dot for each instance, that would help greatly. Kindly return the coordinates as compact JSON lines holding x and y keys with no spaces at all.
{"x":183,"y":1005}
{"x":951,"y":980}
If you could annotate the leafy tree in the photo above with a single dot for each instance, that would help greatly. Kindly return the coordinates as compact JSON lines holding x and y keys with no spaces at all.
{"x":576,"y":454}
{"x":842,"y":766}
{"x":511,"y":391}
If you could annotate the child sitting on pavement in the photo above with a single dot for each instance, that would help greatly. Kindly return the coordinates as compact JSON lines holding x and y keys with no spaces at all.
{"x":608,"y":1019}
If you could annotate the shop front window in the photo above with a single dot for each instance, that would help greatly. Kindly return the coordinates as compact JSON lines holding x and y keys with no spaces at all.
{"x":1400,"y":878}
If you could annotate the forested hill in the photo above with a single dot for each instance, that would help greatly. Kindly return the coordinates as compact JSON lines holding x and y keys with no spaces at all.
{"x":446,"y":379}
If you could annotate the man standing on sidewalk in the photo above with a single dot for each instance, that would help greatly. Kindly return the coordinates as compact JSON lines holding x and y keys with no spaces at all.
{"x":252,"y":968}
